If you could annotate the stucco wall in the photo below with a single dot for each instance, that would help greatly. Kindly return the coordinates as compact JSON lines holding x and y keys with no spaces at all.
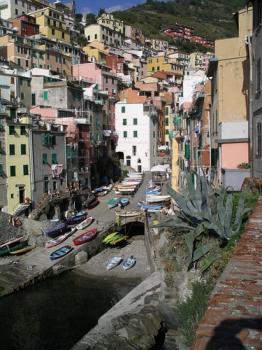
{"x":233,"y":154}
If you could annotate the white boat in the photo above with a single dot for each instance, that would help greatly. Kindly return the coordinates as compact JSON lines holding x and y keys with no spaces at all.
{"x":85,"y":223}
{"x":157,"y":199}
{"x":116,"y":260}
{"x":127,"y":214}
{"x":129,"y":263}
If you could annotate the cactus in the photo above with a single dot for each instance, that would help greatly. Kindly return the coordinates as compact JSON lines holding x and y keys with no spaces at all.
{"x":204,"y":210}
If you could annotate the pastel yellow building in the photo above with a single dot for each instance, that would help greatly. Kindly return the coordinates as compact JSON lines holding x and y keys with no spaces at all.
{"x":162,"y":64}
{"x":96,"y":51}
{"x":51,"y":24}
{"x":17,"y":162}
{"x":108,"y":20}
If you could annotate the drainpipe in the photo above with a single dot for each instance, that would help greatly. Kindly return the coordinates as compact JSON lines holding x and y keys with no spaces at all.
{"x":31,"y":160}
{"x":250,"y":129}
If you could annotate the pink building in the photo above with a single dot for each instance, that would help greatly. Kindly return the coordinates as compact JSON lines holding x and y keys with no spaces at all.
{"x":98,"y":74}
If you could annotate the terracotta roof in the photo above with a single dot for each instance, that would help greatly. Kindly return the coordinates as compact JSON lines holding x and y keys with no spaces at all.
{"x":132,"y":96}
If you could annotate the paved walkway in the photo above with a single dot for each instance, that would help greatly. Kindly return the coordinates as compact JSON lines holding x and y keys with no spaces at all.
{"x":234,"y":316}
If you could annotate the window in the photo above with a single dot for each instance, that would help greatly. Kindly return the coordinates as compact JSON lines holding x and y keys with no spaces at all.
{"x":167,"y":121}
{"x":135,"y":121}
{"x":25,"y":169}
{"x":63,"y":35}
{"x":11,"y":130}
{"x":134,"y":133}
{"x":125,"y":134}
{"x":22,"y":94}
{"x":19,"y":62}
{"x":154,"y":134}
{"x":259,"y":140}
{"x":54,"y":158}
{"x":158,"y":68}
{"x":16,"y":11}
{"x":12,"y":80}
{"x":12,"y":150}
{"x":95,"y":36}
{"x":167,"y":132}
{"x":33,"y":99}
{"x":123,"y":109}
{"x":166,"y":110}
{"x":134,"y":150}
{"x":153,"y":69}
{"x":128,"y":161}
{"x":45,"y":95}
{"x":12,"y":170}
{"x":23,"y":149}
{"x":53,"y":32}
{"x":124,"y":122}
{"x":44,"y":158}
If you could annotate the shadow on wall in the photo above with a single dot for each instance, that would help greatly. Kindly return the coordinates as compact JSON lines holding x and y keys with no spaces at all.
{"x":225,"y":334}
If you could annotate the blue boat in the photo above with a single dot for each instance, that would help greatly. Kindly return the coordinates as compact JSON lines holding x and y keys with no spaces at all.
{"x":154,"y":192}
{"x":56,"y":230}
{"x":123,"y":201}
{"x":59,"y":253}
{"x":76,"y":219}
{"x":149,"y":207}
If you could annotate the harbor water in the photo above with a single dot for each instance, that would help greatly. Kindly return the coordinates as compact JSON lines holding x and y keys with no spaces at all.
{"x":56,"y":313}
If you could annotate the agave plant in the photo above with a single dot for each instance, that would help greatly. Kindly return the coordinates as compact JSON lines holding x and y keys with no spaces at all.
{"x":203,"y":210}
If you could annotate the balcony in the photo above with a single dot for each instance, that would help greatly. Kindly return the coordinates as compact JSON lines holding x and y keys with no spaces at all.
{"x":83,"y":120}
{"x":3,"y":4}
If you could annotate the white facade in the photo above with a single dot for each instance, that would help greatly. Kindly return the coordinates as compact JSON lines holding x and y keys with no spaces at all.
{"x":191,"y":79}
{"x":136,"y":126}
{"x":104,"y":35}
{"x":14,"y":8}
{"x":233,"y":130}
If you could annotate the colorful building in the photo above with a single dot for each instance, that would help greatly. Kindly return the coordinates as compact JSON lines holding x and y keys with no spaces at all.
{"x":18,"y":167}
{"x":230,"y":92}
{"x":161,"y":63}
{"x":25,"y":25}
{"x":51,"y":24}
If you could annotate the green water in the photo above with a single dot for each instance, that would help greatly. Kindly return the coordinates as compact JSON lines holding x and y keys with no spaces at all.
{"x":56,"y":313}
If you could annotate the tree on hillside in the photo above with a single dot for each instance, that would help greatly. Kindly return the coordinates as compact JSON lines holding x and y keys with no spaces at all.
{"x":100,"y":12}
{"x":90,"y":19}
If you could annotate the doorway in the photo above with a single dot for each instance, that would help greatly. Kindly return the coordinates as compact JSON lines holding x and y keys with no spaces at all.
{"x":21,"y":194}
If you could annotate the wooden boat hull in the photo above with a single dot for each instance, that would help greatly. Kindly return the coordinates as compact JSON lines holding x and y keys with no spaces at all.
{"x":114,"y":262}
{"x":55,"y":231}
{"x":109,"y":237}
{"x":61,"y":252}
{"x":129,"y":263}
{"x":22,"y":250}
{"x":76,"y":219}
{"x":84,"y":224}
{"x":118,"y":240}
{"x":86,"y":237}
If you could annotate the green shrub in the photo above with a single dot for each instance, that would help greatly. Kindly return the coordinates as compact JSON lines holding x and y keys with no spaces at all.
{"x":192,"y":310}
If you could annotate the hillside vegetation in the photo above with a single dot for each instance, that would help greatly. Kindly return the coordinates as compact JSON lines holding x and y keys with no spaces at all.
{"x":210,"y":18}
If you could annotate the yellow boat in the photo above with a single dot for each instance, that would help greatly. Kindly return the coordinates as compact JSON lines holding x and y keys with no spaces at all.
{"x":22,"y":250}
{"x":120,"y":239}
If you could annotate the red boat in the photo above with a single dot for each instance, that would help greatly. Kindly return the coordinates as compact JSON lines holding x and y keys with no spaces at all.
{"x":85,"y":237}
